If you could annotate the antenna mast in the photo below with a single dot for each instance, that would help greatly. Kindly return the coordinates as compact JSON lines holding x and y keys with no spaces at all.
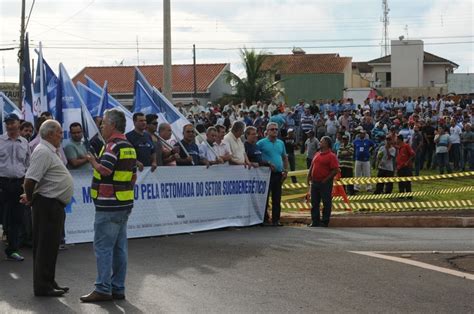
{"x":386,"y":22}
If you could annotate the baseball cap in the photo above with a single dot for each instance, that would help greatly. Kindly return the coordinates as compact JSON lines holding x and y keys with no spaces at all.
{"x":11,"y":117}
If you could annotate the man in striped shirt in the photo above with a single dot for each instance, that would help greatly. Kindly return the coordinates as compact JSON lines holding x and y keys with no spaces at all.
{"x":306,"y":125}
{"x":113,"y":195}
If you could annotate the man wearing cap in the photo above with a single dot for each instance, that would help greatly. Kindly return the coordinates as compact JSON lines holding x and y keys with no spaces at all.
{"x":14,"y":161}
{"x":362,"y":149}
{"x":385,"y":164}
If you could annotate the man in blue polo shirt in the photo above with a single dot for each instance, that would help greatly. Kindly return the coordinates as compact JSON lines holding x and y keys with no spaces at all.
{"x":362,"y":148}
{"x":142,"y":142}
{"x":274,"y":152}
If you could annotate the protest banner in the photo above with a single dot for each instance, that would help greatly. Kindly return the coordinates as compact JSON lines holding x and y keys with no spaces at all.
{"x":174,"y":200}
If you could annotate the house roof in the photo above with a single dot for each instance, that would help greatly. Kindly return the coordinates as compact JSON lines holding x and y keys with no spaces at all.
{"x":307,"y":63}
{"x":363,"y":67}
{"x":120,"y":79}
{"x":427,"y":58}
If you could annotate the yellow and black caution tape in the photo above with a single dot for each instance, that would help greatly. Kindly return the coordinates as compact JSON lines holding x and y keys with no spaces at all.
{"x":402,"y":206}
{"x":345,"y":181}
{"x":391,"y":195}
{"x":371,"y":180}
{"x":407,"y":194}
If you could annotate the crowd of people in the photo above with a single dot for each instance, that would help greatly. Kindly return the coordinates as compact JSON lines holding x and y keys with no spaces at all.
{"x":394,"y":136}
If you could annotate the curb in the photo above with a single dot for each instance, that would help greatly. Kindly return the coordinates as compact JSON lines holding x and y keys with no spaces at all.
{"x":390,"y":222}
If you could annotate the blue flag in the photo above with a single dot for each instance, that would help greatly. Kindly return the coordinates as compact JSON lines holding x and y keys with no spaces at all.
{"x":142,"y":101}
{"x":92,"y":101}
{"x":98,"y":89}
{"x":71,"y":108}
{"x":104,"y":101}
{"x":40,"y":101}
{"x":90,"y":98}
{"x":27,"y":88}
{"x":51,"y":87}
{"x":167,"y":110}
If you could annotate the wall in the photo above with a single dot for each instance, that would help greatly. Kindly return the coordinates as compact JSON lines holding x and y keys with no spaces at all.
{"x":348,"y":75}
{"x":220,"y":87}
{"x":461,"y":83}
{"x":312,"y":86}
{"x":407,"y":63}
{"x":412,"y":91}
{"x":436,"y":73}
{"x":358,"y":81}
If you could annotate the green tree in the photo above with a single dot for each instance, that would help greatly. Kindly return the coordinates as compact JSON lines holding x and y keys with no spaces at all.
{"x":259,"y":82}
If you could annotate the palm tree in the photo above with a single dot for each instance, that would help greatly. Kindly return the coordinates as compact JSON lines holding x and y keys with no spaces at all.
{"x":259,"y":83}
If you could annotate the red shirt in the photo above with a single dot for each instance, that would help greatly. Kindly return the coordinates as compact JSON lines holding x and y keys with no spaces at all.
{"x":322,"y":165}
{"x":405,"y":152}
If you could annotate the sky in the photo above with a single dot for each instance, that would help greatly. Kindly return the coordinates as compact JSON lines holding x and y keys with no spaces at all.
{"x":84,"y":33}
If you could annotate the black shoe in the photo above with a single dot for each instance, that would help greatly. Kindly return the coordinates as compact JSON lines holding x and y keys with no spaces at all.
{"x":314,"y":225}
{"x":324,"y":224}
{"x":277,"y":224}
{"x":50,"y":293}
{"x":118,"y":296}
{"x":65,"y":289}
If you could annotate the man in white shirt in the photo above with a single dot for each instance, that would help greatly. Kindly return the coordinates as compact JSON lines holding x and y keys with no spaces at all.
{"x":221,"y":147}
{"x":237,"y":148}
{"x":455,"y":140}
{"x":206,"y":150}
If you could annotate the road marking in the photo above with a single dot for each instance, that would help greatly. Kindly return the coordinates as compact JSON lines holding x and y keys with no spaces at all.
{"x":416,"y":263}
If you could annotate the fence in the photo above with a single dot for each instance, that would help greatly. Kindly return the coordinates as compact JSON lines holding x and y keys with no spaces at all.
{"x":368,"y":202}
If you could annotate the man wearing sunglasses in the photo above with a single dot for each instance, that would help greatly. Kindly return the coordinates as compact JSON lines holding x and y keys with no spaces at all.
{"x":274,"y":152}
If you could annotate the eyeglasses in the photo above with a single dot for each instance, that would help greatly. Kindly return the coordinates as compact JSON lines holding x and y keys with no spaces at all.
{"x":272,"y":129}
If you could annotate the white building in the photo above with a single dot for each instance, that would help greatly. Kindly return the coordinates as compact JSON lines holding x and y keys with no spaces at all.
{"x":409,"y":66}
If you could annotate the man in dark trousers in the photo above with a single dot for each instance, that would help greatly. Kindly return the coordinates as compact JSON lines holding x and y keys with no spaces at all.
{"x":274,"y":153}
{"x":112,"y":191}
{"x":320,"y":178}
{"x":14,"y":160}
{"x":405,"y":158}
{"x":48,"y":188}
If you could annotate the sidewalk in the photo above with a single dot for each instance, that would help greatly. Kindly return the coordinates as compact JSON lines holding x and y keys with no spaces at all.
{"x":426,"y":219}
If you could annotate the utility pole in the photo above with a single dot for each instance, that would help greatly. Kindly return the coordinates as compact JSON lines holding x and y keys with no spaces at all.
{"x":22,"y":47}
{"x":194,"y":71}
{"x":167,"y":74}
{"x":138,"y":53}
{"x":386,"y":45}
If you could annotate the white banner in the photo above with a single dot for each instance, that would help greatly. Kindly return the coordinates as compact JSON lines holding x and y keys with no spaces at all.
{"x":178,"y":200}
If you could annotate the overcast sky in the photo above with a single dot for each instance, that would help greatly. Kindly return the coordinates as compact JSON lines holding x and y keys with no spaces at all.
{"x":104,"y":33}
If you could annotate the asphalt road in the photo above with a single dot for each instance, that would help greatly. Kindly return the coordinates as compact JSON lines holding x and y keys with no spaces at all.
{"x":257,"y":270}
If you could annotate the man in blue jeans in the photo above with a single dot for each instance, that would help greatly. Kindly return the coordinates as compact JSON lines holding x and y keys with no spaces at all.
{"x":112,"y":191}
{"x":320,"y":178}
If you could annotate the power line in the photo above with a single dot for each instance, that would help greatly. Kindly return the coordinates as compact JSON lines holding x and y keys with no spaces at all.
{"x":238,"y":48}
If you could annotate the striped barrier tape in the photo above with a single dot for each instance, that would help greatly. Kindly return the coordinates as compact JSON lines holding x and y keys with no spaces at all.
{"x":434,"y":205}
{"x":371,"y":180}
{"x":391,"y":195}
